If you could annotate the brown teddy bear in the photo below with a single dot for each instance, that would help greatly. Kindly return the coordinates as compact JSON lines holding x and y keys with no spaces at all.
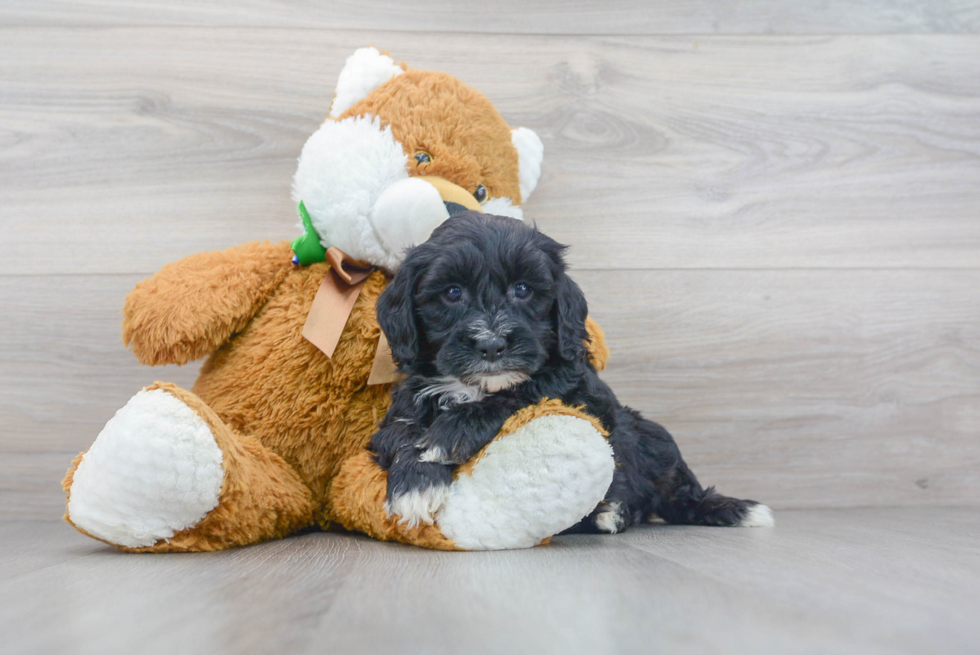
{"x":272,"y":438}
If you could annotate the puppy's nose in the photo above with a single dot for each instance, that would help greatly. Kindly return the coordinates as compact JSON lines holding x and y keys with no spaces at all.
{"x":491,"y":349}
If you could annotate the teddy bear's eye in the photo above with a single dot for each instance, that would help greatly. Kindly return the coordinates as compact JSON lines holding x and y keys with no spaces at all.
{"x":422,"y":157}
{"x":480,"y":194}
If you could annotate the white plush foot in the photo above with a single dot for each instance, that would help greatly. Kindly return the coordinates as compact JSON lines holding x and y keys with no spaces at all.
{"x":759,"y":516}
{"x":154,"y":470}
{"x":417,"y":506}
{"x":534,"y":483}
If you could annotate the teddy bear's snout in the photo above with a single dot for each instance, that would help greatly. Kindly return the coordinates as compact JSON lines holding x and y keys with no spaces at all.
{"x":454,"y":197}
{"x":408,"y":210}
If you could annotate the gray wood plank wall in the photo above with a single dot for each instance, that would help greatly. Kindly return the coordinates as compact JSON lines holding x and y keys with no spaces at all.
{"x":772,"y":206}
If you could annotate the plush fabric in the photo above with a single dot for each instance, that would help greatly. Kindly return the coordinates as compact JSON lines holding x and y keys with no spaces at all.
{"x":272,"y":437}
{"x":273,"y":386}
{"x":467,"y":139}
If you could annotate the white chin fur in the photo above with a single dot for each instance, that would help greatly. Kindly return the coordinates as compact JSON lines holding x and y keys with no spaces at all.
{"x":495,"y":383}
{"x":154,"y":470}
{"x":417,"y":506}
{"x":759,"y":516}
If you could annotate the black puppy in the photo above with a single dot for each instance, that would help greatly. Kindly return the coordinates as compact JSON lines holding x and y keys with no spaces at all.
{"x":484,"y":320}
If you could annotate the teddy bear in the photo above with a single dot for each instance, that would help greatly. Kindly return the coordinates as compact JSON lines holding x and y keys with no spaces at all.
{"x":273,"y":436}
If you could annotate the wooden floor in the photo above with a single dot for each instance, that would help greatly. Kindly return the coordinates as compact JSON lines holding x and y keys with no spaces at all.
{"x":774,"y":208}
{"x":823,"y":581}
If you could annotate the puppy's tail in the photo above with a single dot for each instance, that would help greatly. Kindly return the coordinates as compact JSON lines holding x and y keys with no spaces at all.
{"x":683,"y":501}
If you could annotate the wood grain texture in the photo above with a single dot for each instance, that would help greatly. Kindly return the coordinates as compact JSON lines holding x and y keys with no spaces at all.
{"x":830,"y":581}
{"x":514,"y":17}
{"x":773,"y":210}
{"x":63,"y":373}
{"x":125,"y":148}
{"x":805,"y":388}
{"x":779,"y":233}
{"x":797,"y":388}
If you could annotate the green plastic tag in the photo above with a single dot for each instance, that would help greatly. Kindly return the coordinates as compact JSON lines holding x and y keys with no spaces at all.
{"x":307,"y":248}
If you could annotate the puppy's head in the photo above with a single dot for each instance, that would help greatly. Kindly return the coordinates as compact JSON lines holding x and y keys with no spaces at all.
{"x":485,"y":300}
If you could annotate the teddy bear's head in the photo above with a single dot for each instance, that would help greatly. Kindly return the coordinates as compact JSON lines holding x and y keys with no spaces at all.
{"x":403,"y":150}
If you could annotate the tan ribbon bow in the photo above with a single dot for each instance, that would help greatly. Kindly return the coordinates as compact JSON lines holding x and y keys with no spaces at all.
{"x":331,"y":309}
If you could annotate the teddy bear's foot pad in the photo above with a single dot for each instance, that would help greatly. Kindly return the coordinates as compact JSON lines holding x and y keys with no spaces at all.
{"x":155,"y":469}
{"x":530,"y":484}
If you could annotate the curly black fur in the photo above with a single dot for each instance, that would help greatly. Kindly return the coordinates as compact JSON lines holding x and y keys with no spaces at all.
{"x":483,"y":320}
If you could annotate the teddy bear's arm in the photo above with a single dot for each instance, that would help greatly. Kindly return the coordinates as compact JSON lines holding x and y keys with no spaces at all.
{"x":550,"y":465}
{"x":596,"y":346}
{"x":192,"y":306}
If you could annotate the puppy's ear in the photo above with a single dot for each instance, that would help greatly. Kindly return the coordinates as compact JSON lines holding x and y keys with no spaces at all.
{"x":570,"y":309}
{"x":396,"y":310}
{"x":570,"y":312}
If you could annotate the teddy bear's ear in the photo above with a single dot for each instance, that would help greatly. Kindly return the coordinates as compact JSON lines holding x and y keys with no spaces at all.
{"x":365,"y":71}
{"x":530,"y":152}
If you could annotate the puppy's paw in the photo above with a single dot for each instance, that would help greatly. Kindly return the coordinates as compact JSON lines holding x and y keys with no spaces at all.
{"x":432,"y":447}
{"x":417,"y":506}
{"x":436,"y":455}
{"x":610,"y":518}
{"x":452,"y":439}
{"x":416,"y":489}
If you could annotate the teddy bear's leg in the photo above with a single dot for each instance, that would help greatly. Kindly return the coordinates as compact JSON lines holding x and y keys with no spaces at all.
{"x":166,"y":474}
{"x":547,"y":469}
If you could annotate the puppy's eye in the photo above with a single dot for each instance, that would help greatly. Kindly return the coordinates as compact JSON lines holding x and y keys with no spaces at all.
{"x":422,"y":157}
{"x":522,"y":291}
{"x":453,"y":293}
{"x":480,"y":194}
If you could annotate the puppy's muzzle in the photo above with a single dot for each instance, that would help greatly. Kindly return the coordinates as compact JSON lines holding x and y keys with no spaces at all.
{"x":492,"y":349}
